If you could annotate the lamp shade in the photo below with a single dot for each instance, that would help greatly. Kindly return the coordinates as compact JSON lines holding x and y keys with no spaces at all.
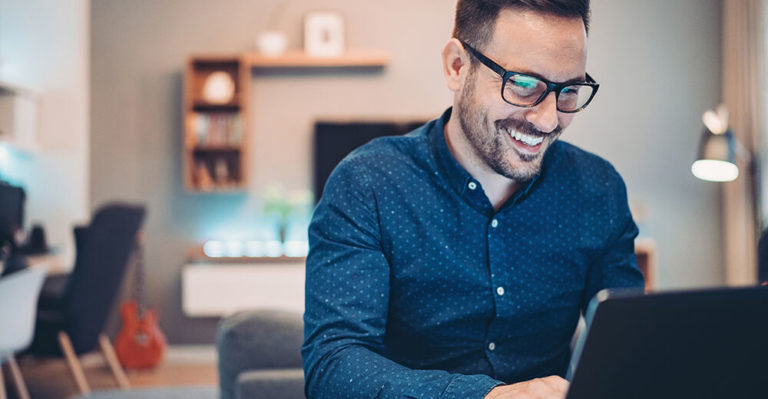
{"x":717,"y":157}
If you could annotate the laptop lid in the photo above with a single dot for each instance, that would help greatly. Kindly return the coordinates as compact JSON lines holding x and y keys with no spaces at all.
{"x":687,"y":344}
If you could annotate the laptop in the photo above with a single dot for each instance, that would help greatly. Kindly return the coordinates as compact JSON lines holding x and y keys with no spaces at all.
{"x":709,"y":343}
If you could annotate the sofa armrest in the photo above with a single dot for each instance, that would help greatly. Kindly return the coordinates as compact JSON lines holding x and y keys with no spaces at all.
{"x":257,"y":340}
{"x":271,"y":383}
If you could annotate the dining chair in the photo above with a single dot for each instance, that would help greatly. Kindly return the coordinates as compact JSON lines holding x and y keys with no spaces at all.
{"x":18,"y":303}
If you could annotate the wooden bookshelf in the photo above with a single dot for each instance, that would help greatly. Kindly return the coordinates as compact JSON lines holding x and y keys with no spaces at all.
{"x":215,"y":139}
{"x":215,"y":147}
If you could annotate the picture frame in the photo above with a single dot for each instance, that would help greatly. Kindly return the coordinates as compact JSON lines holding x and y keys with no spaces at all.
{"x":324,"y":34}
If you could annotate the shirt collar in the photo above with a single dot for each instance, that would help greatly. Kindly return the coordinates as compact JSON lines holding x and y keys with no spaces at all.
{"x":458,"y":178}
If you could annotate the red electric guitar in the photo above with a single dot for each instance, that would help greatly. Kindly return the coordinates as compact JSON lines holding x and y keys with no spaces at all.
{"x":140,"y":344}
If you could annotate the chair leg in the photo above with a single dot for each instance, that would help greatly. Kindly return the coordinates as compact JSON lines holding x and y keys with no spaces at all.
{"x":2,"y":382}
{"x":114,"y":364}
{"x":74,"y":364}
{"x":18,"y":380}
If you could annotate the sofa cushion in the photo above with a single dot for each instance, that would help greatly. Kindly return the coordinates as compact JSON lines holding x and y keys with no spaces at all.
{"x":271,"y":384}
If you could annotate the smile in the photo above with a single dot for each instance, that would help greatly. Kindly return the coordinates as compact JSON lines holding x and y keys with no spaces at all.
{"x":531,"y":141}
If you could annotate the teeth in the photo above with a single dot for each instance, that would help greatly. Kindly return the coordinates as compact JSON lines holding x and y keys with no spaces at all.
{"x":527,"y":140}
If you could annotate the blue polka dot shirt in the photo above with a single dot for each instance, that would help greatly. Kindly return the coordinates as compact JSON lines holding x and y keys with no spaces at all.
{"x":417,"y":288}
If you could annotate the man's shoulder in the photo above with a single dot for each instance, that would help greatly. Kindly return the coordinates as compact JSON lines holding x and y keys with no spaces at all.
{"x":405,"y":149}
{"x":589,"y":169}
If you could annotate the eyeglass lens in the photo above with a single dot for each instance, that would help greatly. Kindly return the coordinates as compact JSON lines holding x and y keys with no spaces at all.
{"x":526,"y":90}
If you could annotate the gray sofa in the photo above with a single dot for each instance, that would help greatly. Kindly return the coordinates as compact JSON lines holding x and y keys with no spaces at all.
{"x":260,"y":355}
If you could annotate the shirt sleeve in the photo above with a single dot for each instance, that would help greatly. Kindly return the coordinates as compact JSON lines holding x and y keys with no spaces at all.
{"x":347,"y":297}
{"x":617,"y":267}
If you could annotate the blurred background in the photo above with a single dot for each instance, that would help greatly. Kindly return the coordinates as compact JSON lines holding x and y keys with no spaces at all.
{"x":117,"y":85}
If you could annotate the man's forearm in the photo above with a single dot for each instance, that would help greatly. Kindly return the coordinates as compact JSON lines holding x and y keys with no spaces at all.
{"x":356,"y":372}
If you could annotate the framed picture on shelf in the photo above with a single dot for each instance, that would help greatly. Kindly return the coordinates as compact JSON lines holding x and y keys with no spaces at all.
{"x":324,"y":34}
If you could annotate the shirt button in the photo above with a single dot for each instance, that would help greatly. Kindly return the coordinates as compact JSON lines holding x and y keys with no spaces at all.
{"x":472,"y":185}
{"x":494,"y":223}
{"x":500,"y":291}
{"x":491,"y":346}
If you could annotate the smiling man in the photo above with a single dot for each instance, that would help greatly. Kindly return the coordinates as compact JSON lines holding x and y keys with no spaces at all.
{"x":453,"y":262}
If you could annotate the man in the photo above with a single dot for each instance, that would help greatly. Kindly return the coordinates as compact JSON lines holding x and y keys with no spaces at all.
{"x":453,"y":262}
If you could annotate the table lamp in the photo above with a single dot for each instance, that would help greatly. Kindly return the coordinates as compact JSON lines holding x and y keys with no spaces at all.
{"x":718,"y":148}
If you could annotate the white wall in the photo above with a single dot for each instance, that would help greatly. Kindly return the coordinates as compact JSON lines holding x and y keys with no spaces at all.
{"x":44,"y":46}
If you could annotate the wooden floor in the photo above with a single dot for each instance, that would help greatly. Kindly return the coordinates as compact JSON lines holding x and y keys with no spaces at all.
{"x":51,"y":379}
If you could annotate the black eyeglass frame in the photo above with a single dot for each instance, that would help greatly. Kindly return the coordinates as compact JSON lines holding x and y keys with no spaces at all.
{"x":556,"y":87}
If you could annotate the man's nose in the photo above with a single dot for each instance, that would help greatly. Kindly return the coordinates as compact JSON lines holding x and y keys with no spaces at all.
{"x":544,"y":114}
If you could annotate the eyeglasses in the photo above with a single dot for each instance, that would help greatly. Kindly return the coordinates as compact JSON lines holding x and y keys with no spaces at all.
{"x":527,"y":91}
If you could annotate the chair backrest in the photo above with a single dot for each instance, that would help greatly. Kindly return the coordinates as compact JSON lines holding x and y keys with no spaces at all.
{"x":257,"y":339}
{"x":762,"y":257}
{"x":104,"y":250}
{"x":18,"y":303}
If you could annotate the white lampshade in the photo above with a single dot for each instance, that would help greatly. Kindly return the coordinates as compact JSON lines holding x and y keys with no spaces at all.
{"x":715,"y":170}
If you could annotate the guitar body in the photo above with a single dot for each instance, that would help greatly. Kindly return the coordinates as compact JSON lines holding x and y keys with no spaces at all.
{"x":140,"y":343}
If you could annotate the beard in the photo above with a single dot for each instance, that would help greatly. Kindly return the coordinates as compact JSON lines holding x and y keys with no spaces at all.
{"x":493,"y":145}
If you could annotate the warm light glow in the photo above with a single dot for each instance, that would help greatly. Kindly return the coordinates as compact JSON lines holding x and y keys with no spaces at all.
{"x":213,"y":249}
{"x":273,"y":249}
{"x":713,"y":170}
{"x":254,"y":249}
{"x":296,"y":248}
{"x":234,"y":249}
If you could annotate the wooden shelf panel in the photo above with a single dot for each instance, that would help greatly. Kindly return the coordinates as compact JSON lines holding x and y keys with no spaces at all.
{"x":298,"y":59}
{"x":202,"y":106}
{"x":216,"y":148}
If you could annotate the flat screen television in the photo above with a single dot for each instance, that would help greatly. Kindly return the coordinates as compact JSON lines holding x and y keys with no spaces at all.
{"x":334,"y":140}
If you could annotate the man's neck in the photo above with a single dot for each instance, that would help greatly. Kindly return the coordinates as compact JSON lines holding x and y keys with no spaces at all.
{"x":497,"y":188}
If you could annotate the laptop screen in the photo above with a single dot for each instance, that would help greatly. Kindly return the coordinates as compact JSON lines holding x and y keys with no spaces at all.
{"x":688,"y":344}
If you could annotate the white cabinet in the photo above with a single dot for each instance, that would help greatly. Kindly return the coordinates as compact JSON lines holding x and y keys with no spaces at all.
{"x":18,"y":116}
{"x":218,"y":289}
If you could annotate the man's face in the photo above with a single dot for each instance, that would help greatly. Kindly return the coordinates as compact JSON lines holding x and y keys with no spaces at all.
{"x":512,"y":140}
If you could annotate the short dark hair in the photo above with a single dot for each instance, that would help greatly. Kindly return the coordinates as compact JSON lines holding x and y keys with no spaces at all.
{"x":475,"y":19}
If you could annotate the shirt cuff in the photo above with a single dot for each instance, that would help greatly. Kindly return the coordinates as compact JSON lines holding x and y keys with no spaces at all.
{"x":470,"y":387}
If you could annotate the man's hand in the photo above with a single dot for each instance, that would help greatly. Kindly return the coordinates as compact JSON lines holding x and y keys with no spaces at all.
{"x":552,"y":387}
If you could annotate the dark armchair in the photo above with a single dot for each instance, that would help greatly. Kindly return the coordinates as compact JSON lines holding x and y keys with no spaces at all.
{"x":71,"y":318}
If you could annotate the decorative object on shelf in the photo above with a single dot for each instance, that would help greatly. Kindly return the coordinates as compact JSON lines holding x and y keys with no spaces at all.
{"x":718,"y":149}
{"x":219,"y":88}
{"x":283,"y":206}
{"x":324,"y":34}
{"x":272,"y":43}
{"x":221,"y":171}
{"x":203,"y":179}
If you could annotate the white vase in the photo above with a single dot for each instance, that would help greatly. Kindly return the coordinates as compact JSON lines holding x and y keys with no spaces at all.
{"x":272,"y":43}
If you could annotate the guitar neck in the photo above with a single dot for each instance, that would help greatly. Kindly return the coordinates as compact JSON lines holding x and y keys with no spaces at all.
{"x":138,"y":276}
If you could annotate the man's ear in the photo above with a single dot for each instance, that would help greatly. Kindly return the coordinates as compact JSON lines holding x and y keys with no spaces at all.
{"x":455,"y":64}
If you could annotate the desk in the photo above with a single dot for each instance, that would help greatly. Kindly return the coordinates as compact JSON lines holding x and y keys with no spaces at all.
{"x":645,"y":251}
{"x":55,"y":263}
